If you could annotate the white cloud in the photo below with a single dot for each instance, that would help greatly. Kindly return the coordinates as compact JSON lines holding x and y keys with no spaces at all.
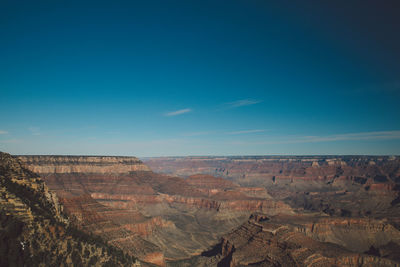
{"x":379,"y":135}
{"x":246,"y":132}
{"x":178,"y":112}
{"x":3,"y":132}
{"x":361,"y":136}
{"x":196,"y":133}
{"x":242,"y":102}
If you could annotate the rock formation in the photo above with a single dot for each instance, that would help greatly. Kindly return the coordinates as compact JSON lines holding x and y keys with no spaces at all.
{"x":143,"y":212}
{"x":263,"y":241}
{"x":350,"y":201}
{"x":83,"y":164}
{"x":347,"y":185}
{"x":34,"y":230}
{"x":314,"y":211}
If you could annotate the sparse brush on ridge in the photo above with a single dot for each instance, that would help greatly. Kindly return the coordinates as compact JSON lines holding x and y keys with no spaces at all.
{"x":32,"y":233}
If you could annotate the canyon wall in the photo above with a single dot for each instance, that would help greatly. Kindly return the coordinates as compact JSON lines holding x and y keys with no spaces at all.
{"x":35,"y":231}
{"x":143,"y":212}
{"x":340,"y":185}
{"x":82,"y":164}
{"x":350,"y":201}
{"x":268,"y":241}
{"x":281,"y":170}
{"x":330,"y":210}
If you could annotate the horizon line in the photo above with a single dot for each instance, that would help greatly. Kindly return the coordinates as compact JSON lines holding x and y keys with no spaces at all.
{"x":213,"y":156}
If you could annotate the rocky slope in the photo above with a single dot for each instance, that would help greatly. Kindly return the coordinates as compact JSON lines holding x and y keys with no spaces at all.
{"x":298,"y":172}
{"x":277,"y":241}
{"x":307,"y":211}
{"x":142,"y":212}
{"x":347,"y":185}
{"x":82,"y":164}
{"x":350,"y":201}
{"x":34,"y":231}
{"x":282,"y":167}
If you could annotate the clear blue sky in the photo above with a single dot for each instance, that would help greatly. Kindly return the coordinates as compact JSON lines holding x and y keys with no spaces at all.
{"x":157,"y":78}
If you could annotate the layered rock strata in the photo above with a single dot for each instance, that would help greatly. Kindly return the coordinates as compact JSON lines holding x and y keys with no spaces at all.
{"x":341,"y":186}
{"x":34,"y":230}
{"x":265,"y":241}
{"x":310,"y":211}
{"x":82,"y":164}
{"x":142,"y":212}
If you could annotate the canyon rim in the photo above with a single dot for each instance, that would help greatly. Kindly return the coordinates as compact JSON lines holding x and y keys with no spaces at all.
{"x":206,"y":133}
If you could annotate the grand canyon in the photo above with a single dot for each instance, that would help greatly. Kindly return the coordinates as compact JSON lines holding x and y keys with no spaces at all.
{"x":232,"y":211}
{"x":199,"y":133}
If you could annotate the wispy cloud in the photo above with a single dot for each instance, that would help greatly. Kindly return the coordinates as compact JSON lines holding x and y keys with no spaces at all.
{"x":246,"y":132}
{"x":34,"y":130}
{"x":3,"y":132}
{"x":378,"y":135}
{"x":177,"y":112}
{"x":197,"y":133}
{"x":361,"y":136}
{"x":242,"y":103}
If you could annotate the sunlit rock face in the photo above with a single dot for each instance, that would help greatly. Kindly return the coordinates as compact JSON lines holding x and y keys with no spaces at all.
{"x":82,"y":164}
{"x":155,"y":217}
{"x":36,"y":231}
{"x":350,"y":201}
{"x":286,"y":241}
{"x":346,"y":185}
{"x":275,"y":170}
{"x":308,"y":210}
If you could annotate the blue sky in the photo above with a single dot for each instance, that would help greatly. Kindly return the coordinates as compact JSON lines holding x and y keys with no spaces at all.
{"x":159,"y":78}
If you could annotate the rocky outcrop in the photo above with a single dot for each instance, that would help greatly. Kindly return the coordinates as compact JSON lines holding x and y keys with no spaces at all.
{"x":82,"y":164}
{"x":285,"y":170}
{"x":262,"y":241}
{"x":339,"y":186}
{"x":13,"y":172}
{"x":210,"y":182}
{"x":355,"y":234}
{"x":34,"y":230}
{"x":306,"y":210}
{"x":232,"y":204}
{"x":141,"y":212}
{"x":123,"y":228}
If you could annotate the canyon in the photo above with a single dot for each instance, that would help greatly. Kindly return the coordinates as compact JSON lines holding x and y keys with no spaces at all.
{"x":346,"y":185}
{"x":350,"y":201}
{"x":35,"y":230}
{"x":233,"y":211}
{"x":154,"y":217}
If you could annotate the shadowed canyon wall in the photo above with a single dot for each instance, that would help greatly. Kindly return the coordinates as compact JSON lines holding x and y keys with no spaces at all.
{"x":352,"y":185}
{"x":305,"y":210}
{"x":34,"y":229}
{"x":154,"y":217}
{"x":350,"y":201}
{"x":82,"y":164}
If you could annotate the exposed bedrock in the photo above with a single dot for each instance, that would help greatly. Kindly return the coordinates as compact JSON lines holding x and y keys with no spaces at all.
{"x":355,"y":234}
{"x":82,"y":164}
{"x":35,"y":230}
{"x":337,"y":185}
{"x":307,"y":171}
{"x":263,"y":241}
{"x":307,"y":211}
{"x":151,"y":216}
